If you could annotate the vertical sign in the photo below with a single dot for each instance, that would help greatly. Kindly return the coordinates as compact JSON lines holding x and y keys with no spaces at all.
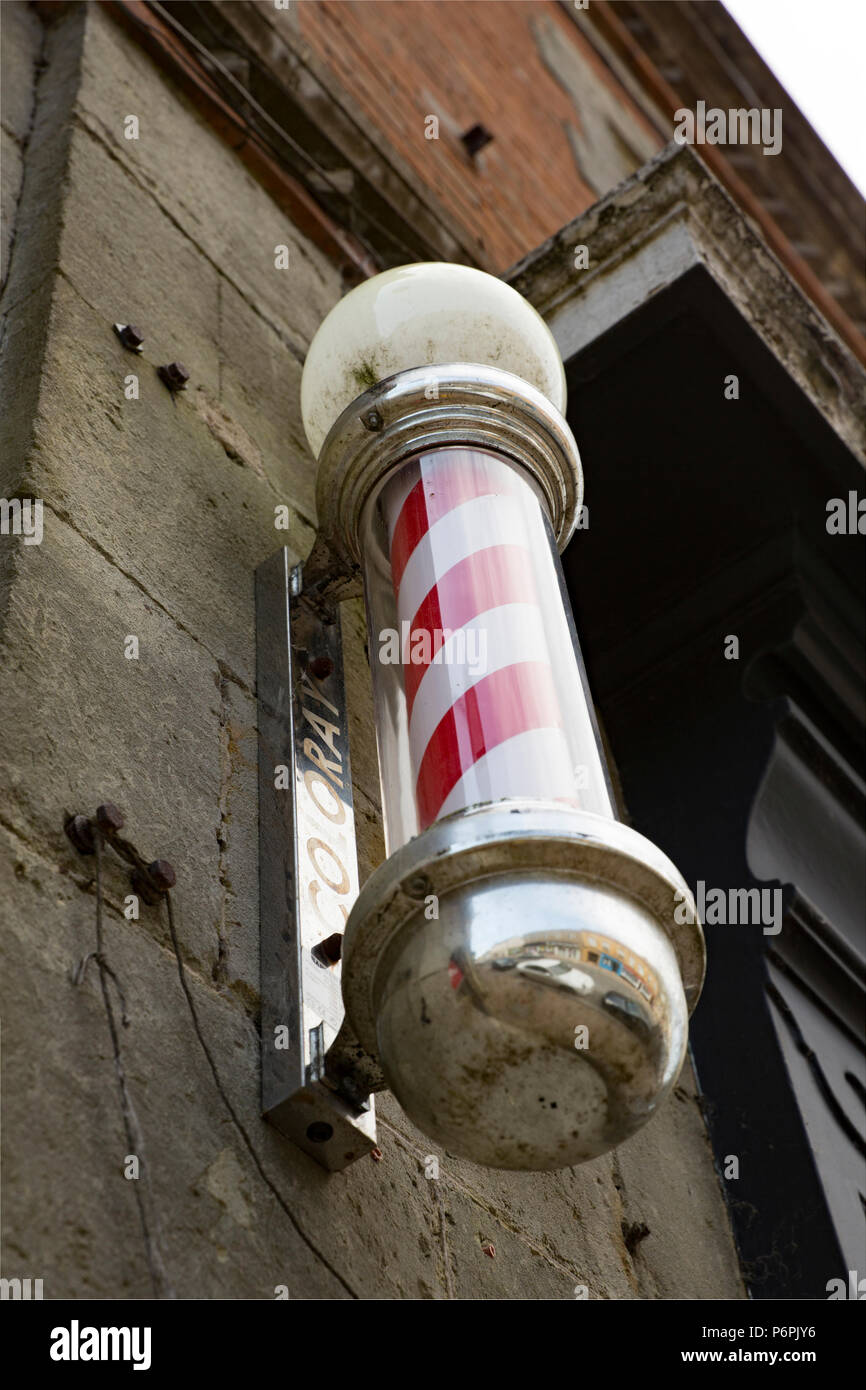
{"x":308,"y":869}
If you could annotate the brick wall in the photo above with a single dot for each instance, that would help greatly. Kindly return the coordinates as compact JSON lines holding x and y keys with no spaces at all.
{"x":564,"y":131}
{"x":157,"y":511}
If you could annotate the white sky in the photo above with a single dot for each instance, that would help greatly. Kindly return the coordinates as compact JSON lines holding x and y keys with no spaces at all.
{"x":817,"y":50}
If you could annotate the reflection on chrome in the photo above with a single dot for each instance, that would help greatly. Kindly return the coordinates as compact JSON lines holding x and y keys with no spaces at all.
{"x":542,"y":1017}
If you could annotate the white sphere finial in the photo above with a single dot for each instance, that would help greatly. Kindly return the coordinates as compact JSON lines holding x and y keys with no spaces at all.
{"x":428,"y":314}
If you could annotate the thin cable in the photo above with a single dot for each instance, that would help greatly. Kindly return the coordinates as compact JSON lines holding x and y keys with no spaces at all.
{"x":293,"y":144}
{"x":253,"y":135}
{"x":236,"y":1120}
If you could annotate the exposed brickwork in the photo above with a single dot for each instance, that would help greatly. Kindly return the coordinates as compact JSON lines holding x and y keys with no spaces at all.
{"x":477,"y":62}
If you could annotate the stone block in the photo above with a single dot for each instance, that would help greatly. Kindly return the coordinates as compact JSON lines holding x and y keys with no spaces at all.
{"x":201,"y":184}
{"x":70,"y":1214}
{"x":261,"y":390}
{"x":669,"y":1183}
{"x":148,"y":484}
{"x":87,"y":725}
{"x":569,"y":1218}
{"x":146,"y":272}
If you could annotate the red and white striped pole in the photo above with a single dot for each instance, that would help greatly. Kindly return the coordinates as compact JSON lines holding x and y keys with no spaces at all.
{"x":461,"y":536}
{"x":502,"y":951}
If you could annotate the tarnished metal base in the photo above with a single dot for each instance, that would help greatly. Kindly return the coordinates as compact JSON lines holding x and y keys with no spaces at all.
{"x":523,"y":973}
{"x":330,"y":1129}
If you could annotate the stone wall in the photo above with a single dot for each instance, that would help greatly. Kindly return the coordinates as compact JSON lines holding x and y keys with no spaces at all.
{"x":157,"y":510}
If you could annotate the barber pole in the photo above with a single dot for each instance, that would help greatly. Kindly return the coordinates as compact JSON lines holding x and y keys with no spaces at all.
{"x":502,"y":951}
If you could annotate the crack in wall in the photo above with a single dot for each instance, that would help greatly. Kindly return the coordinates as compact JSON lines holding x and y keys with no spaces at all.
{"x":148,"y":1212}
{"x":443,"y":1240}
{"x":220,"y":969}
{"x":39,"y":66}
{"x":621,"y":1225}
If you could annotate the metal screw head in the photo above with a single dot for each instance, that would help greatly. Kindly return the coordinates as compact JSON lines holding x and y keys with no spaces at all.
{"x":109,"y":818}
{"x":162,"y":874}
{"x":372,"y":420}
{"x":321,"y":666}
{"x":174,"y":375}
{"x":130,"y":336}
{"x":418,"y":886}
{"x":80,"y":832}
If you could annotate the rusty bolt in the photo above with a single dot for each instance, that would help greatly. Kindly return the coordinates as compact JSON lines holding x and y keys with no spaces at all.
{"x":174,"y":375}
{"x":80,"y":832}
{"x":372,"y":420}
{"x":489,"y":1250}
{"x":321,"y":666}
{"x":130,"y":336}
{"x":162,"y":874}
{"x":151,"y":886}
{"x":109,"y":818}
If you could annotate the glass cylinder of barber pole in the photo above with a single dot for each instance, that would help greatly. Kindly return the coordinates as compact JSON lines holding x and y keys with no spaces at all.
{"x":522,"y":965}
{"x":478,"y":687}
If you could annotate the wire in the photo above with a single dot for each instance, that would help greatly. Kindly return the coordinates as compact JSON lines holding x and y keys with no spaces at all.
{"x":283,"y":134}
{"x":236,"y":1121}
{"x":128,"y":852}
{"x":366,"y":262}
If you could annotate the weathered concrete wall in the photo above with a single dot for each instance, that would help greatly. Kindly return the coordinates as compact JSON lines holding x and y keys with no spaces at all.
{"x":157,"y":511}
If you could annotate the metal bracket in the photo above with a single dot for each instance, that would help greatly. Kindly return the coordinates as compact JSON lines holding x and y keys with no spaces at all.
{"x":316,"y":1078}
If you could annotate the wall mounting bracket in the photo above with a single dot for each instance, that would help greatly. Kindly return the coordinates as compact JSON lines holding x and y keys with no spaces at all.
{"x":316,"y":1079}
